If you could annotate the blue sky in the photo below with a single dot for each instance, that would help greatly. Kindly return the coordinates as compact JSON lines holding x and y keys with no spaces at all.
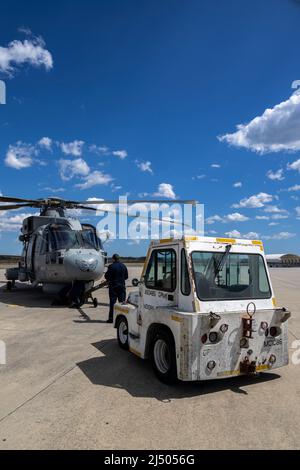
{"x":146,"y":90}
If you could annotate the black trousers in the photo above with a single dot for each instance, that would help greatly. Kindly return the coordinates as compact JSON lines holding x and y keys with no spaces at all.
{"x":115,"y":293}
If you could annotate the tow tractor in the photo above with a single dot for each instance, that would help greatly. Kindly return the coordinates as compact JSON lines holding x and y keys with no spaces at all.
{"x":204,"y":309}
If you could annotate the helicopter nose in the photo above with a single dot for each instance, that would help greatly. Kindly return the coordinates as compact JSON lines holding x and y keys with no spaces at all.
{"x":83,"y":267}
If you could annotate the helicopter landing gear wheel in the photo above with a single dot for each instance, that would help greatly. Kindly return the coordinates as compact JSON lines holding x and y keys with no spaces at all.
{"x":95,"y":302}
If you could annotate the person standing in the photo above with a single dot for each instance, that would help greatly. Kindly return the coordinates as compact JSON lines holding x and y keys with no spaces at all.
{"x":116,"y":276}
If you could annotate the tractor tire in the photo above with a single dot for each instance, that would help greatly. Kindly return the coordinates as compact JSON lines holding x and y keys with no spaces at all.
{"x":163,"y":357}
{"x":122,"y":333}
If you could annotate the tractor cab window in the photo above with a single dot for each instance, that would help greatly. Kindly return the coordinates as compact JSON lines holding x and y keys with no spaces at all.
{"x":243,"y":276}
{"x":161,"y":270}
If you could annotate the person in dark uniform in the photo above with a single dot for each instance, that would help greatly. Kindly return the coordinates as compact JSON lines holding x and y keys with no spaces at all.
{"x":116,"y":276}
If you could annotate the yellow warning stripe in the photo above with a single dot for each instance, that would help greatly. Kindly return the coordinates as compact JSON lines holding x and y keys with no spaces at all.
{"x":225,"y":373}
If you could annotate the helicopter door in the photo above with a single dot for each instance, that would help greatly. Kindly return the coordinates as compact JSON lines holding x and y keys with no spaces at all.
{"x":31,"y":254}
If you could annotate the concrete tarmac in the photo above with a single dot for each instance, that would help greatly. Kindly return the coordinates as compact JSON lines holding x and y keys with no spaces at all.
{"x":67,"y":385}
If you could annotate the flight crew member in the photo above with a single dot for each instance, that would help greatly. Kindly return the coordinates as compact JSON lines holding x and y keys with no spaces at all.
{"x":116,"y":276}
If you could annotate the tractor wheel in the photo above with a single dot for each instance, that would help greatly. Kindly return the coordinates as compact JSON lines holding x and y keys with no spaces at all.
{"x":163,"y":357}
{"x":122,"y":333}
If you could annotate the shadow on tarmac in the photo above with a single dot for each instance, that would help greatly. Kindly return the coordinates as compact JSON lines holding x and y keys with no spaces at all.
{"x":121,"y":369}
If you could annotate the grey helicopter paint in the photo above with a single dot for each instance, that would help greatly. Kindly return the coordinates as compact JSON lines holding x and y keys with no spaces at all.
{"x":57,"y":249}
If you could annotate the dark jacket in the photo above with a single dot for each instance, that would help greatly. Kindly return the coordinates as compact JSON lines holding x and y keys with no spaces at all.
{"x":116,"y":274}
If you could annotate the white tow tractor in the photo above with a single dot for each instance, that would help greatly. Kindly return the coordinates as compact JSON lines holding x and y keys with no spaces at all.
{"x":204,"y":309}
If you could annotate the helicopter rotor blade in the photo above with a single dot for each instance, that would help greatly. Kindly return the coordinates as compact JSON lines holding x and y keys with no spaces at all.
{"x":9,"y":207}
{"x":141,"y":201}
{"x":15,"y":199}
{"x":135,"y":216}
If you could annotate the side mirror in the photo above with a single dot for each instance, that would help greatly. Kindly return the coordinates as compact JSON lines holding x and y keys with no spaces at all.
{"x":135,"y":282}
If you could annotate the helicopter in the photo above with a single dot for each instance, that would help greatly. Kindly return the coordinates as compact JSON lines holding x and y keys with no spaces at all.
{"x":59,"y":250}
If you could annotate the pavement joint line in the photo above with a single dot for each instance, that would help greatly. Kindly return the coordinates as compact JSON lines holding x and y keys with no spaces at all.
{"x":63,"y":374}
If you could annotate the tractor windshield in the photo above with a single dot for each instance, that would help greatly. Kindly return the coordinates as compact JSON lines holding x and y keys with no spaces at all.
{"x":242,"y":276}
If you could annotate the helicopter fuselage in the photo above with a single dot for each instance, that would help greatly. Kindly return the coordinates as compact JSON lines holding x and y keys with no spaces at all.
{"x":57,"y":251}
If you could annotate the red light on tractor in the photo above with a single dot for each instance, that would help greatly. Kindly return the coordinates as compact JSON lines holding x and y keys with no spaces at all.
{"x":204,"y":338}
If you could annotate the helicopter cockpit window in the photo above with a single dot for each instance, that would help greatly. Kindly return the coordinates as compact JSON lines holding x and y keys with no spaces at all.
{"x":90,"y":239}
{"x":63,"y":238}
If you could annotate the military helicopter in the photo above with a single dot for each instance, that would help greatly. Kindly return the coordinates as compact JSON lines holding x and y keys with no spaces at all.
{"x":58,"y":249}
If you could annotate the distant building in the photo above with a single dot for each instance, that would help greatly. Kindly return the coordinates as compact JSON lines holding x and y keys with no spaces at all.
{"x":283,"y":261}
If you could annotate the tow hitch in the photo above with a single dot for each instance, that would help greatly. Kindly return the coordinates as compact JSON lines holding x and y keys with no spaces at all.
{"x":247,"y":367}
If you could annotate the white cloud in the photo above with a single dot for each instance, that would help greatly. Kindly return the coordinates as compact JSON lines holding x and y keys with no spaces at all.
{"x":93,"y":179}
{"x":294,"y":166}
{"x":215,"y":165}
{"x":236,"y":217}
{"x":12,"y":223}
{"x":279,"y":216}
{"x":233,"y":234}
{"x":237,"y":234}
{"x":70,"y":168}
{"x":262,"y":217}
{"x":273,"y":224}
{"x":296,"y":187}
{"x":238,"y":184}
{"x":120,"y":153}
{"x":297,"y":209}
{"x":20,"y":156}
{"x":72,"y":148}
{"x":257,"y":200}
{"x":165,"y":190}
{"x":144,"y":166}
{"x":213,"y":218}
{"x":198,"y":177}
{"x":45,"y":142}
{"x":275,"y":175}
{"x":277,"y":129}
{"x":279,"y":236}
{"x":30,"y":51}
{"x":99,"y":149}
{"x":274,"y":210}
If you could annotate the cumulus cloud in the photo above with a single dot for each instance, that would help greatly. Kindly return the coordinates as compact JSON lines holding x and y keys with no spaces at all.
{"x":45,"y":142}
{"x":274,"y":209}
{"x":277,"y":129}
{"x":30,"y":51}
{"x":215,"y":165}
{"x":70,"y":168}
{"x":296,"y":187}
{"x":235,"y":217}
{"x":294,"y":166}
{"x":20,"y":156}
{"x":237,"y":234}
{"x":95,"y":178}
{"x":120,"y":153}
{"x":275,"y":175}
{"x":165,"y":190}
{"x":99,"y":149}
{"x":72,"y":148}
{"x":238,"y":184}
{"x":279,"y":236}
{"x":255,"y":201}
{"x":144,"y":166}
